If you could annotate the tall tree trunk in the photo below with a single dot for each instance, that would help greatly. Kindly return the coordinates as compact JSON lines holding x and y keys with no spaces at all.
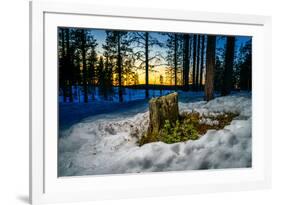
{"x":197,"y":62}
{"x":186,"y":62}
{"x":146,"y":66}
{"x":85,"y":86}
{"x":176,"y":59}
{"x":210,"y":67}
{"x":93,"y":83}
{"x":194,"y":61}
{"x":119,"y":67}
{"x":69,"y":66}
{"x":228,"y":71}
{"x":63,"y":73}
{"x":202,"y":62}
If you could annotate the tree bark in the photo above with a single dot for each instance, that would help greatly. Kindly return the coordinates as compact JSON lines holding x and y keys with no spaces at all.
{"x":63,"y":70}
{"x":194,"y":61}
{"x":197,"y":63}
{"x":202,"y":62}
{"x":186,"y":62}
{"x":161,"y":109}
{"x":85,"y":86}
{"x":69,"y":66}
{"x":210,"y":67}
{"x":228,"y":72}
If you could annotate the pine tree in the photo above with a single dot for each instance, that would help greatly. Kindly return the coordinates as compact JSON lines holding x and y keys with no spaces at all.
{"x":245,"y":66}
{"x":197,"y":63}
{"x":91,"y":64}
{"x":117,"y":48}
{"x":174,"y":56}
{"x":69,"y":65}
{"x":85,"y":57}
{"x":210,"y":66}
{"x":62,"y":60}
{"x":202,"y":62}
{"x":228,"y":71}
{"x":144,"y":41}
{"x":194,"y":61}
{"x":101,"y":78}
{"x":186,"y":61}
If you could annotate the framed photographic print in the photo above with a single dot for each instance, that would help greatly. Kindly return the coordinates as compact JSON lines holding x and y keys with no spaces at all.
{"x":130,"y":102}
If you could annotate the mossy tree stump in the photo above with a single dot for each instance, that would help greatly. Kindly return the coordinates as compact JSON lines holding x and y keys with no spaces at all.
{"x":161,"y":109}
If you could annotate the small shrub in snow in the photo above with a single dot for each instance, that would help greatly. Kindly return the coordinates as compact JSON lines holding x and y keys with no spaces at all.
{"x":190,"y":126}
{"x":179,"y":133}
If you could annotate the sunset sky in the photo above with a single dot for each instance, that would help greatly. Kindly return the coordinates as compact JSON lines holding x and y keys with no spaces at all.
{"x":154,"y":76}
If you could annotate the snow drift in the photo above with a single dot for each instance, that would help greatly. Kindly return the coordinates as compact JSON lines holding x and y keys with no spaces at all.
{"x":107,"y":144}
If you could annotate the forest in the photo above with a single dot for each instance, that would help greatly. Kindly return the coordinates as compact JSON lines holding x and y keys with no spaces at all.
{"x":110,"y":64}
{"x":139,"y":101}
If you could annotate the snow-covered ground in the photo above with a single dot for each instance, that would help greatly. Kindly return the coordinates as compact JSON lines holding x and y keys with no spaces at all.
{"x":129,"y":94}
{"x":107,"y":143}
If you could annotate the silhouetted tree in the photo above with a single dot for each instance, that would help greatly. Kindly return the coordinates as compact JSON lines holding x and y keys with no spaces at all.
{"x":194,"y":61}
{"x":62,"y":60}
{"x":186,"y":61}
{"x":202,"y":62}
{"x":197,"y":63}
{"x":117,"y":46}
{"x":91,"y":64}
{"x":84,"y":66}
{"x":84,"y":57}
{"x":218,"y":73}
{"x":101,"y":77}
{"x":210,"y":66}
{"x":174,"y":55}
{"x":228,"y":71}
{"x":245,"y":66}
{"x":144,"y":41}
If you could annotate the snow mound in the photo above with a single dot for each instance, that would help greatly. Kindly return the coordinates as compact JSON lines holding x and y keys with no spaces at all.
{"x":108,"y":145}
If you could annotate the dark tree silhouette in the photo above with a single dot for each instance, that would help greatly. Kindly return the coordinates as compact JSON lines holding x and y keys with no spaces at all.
{"x":228,"y":71}
{"x":110,"y":53}
{"x":210,"y":66}
{"x":197,"y":63}
{"x":194,"y":61}
{"x":174,"y":56}
{"x":84,"y":66}
{"x":83,"y":55}
{"x":202,"y":62}
{"x":101,"y":77}
{"x":245,"y":66}
{"x":186,"y":61}
{"x":117,"y":47}
{"x":145,"y":41}
{"x":91,"y":65}
{"x":126,"y":56}
{"x":69,"y":66}
{"x":62,"y":62}
{"x":218,"y":70}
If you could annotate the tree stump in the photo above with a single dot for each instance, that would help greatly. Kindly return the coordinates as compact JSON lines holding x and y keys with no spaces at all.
{"x":161,"y":109}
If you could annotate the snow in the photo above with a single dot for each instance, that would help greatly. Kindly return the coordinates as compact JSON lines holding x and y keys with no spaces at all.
{"x":128,"y":94}
{"x":107,"y":143}
{"x":208,"y":121}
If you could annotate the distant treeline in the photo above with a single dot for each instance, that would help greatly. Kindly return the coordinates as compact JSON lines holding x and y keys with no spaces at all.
{"x":191,"y":61}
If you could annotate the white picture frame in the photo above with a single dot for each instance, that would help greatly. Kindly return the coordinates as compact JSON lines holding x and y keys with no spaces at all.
{"x":46,"y":187}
